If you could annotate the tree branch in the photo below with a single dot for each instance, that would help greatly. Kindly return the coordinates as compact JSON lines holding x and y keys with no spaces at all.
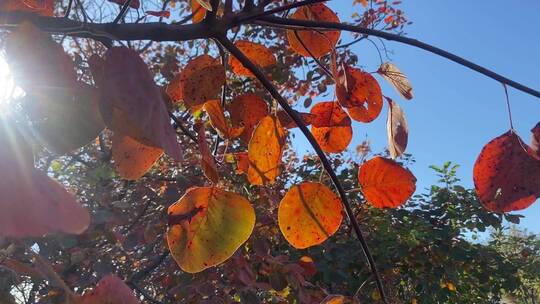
{"x":324,"y":26}
{"x":322,"y":156}
{"x":129,"y":31}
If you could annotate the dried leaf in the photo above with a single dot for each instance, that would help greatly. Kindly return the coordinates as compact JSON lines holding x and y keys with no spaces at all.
{"x":385,"y":183}
{"x":257,"y":53}
{"x":506,"y":176}
{"x":207,"y":225}
{"x":309,"y":214}
{"x":318,"y":43}
{"x":397,"y":79}
{"x":397,"y":130}
{"x":132,"y":158}
{"x":265,"y":151}
{"x":246,"y":111}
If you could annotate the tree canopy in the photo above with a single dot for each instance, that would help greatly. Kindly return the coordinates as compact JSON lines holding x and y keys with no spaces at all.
{"x":148,"y":158}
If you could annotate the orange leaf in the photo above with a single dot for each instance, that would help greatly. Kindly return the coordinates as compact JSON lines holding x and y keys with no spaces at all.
{"x":203,"y":85}
{"x":246,"y":111}
{"x":40,"y":7}
{"x":133,"y":159}
{"x":242,"y":162}
{"x":175,"y":89}
{"x":207,"y":159}
{"x":206,"y":226}
{"x":110,"y":290}
{"x":133,"y":104}
{"x":360,"y":93}
{"x":32,"y":203}
{"x":397,"y":79}
{"x":198,"y":11}
{"x":329,"y":114}
{"x":397,"y":129}
{"x":265,"y":150}
{"x":506,"y":176}
{"x":334,"y":299}
{"x":287,"y":122}
{"x":257,"y":53}
{"x":318,"y":43}
{"x":385,"y":183}
{"x":309,"y":214}
{"x":336,"y":133}
{"x":219,"y":122}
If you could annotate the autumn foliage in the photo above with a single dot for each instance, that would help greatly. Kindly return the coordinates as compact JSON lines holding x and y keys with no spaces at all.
{"x":191,"y":131}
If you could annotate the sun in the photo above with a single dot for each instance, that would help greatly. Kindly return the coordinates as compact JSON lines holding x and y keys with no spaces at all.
{"x":7,"y":87}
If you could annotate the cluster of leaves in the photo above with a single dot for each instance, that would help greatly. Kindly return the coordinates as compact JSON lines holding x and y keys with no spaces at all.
{"x":219,"y":212}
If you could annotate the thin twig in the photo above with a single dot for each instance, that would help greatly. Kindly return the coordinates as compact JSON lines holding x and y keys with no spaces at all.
{"x":322,"y":156}
{"x":178,"y":125}
{"x":122,"y":12}
{"x":321,"y":25}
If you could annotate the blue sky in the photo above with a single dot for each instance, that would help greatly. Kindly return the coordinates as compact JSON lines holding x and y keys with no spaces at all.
{"x":456,"y":111}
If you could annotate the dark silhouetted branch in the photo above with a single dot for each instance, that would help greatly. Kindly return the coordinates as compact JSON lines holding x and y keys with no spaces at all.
{"x":322,"y":156}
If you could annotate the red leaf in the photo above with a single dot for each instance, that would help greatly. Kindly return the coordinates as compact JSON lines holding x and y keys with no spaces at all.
{"x":506,"y":176}
{"x":207,"y":159}
{"x":535,"y":141}
{"x":163,"y":14}
{"x":110,"y":290}
{"x":32,"y":204}
{"x":329,"y":114}
{"x":133,"y":4}
{"x":132,"y":103}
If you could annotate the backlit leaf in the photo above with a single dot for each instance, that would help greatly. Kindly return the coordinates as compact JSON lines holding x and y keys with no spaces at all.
{"x":40,"y":7}
{"x":334,"y":299}
{"x":162,"y":14}
{"x":336,"y":134}
{"x":329,"y":114}
{"x":506,"y":176}
{"x":257,"y":53}
{"x":175,"y":89}
{"x":397,"y":130}
{"x":309,"y":214}
{"x":218,"y":120}
{"x":397,"y":79}
{"x":203,"y":85}
{"x":36,"y":61}
{"x":64,"y":119}
{"x":288,"y":123}
{"x":360,"y":93}
{"x":246,"y":111}
{"x":206,"y":226}
{"x":132,"y":103}
{"x":133,"y":159}
{"x":198,"y":11}
{"x":32,"y":203}
{"x":109,"y":290}
{"x":265,"y":151}
{"x":385,"y":183}
{"x":535,"y":141}
{"x":318,"y":43}
{"x":208,"y":163}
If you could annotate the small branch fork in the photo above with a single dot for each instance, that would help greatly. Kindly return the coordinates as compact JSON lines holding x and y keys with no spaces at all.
{"x":216,"y":28}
